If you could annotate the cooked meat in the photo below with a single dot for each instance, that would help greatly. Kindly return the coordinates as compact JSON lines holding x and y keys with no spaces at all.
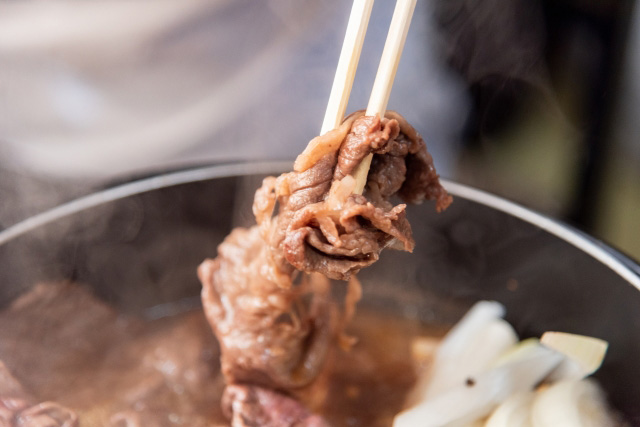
{"x":19,"y":409}
{"x":48,"y":414}
{"x":252,"y":406}
{"x":268,"y":334}
{"x":120,"y":371}
{"x":61,"y":344}
{"x":275,"y":333}
{"x":9,"y":385}
{"x":321,"y":226}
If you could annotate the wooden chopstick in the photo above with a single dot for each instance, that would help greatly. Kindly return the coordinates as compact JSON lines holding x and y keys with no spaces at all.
{"x":384,"y":77}
{"x":347,"y":64}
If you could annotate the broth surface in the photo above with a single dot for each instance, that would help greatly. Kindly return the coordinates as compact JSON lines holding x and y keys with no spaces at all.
{"x":64,"y":345}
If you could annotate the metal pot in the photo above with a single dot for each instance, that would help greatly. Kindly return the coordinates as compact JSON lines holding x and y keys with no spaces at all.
{"x":138,"y":246}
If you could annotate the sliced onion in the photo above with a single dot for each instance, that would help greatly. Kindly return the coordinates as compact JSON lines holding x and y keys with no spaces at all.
{"x":476,"y":398}
{"x":516,"y":351}
{"x":467,"y":350}
{"x":584,"y":354}
{"x":572,"y":404}
{"x":515,"y":411}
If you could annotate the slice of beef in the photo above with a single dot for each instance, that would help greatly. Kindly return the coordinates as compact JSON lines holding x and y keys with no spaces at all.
{"x":252,"y":406}
{"x":277,"y":334}
{"x":19,"y":409}
{"x":49,"y":414}
{"x":59,"y":343}
{"x":320,"y":225}
{"x":269,"y":335}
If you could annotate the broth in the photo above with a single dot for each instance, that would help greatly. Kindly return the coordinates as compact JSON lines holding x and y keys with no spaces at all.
{"x":64,"y":345}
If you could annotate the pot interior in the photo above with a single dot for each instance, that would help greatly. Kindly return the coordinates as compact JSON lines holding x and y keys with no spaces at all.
{"x":140,"y":253}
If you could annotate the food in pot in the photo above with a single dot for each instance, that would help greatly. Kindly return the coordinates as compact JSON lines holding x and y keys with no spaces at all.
{"x":285,"y":354}
{"x":276,"y":333}
{"x":481,"y":375}
{"x":67,"y":352}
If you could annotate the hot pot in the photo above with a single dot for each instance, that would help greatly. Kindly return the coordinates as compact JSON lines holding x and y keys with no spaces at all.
{"x":138,"y":246}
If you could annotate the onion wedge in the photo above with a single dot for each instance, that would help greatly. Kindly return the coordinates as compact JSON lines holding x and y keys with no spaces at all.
{"x":480,"y":395}
{"x":584,"y":354}
{"x":470,"y":348}
{"x":515,"y":411}
{"x":572,"y":404}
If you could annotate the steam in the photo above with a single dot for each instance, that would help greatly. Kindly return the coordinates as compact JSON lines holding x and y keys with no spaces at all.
{"x":494,"y":38}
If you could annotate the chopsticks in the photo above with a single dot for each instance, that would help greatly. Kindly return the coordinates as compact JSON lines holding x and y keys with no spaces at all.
{"x":384,"y":77}
{"x":390,"y":57}
{"x":348,"y":62}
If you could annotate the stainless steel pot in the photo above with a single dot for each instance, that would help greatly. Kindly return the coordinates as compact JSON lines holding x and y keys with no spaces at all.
{"x":138,"y":246}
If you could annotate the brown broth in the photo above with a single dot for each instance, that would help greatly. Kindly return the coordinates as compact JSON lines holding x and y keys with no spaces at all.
{"x":64,"y":345}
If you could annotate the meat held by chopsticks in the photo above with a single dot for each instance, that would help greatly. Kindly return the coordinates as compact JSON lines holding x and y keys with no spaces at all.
{"x":322,"y":226}
{"x":328,"y":218}
{"x":277,"y":334}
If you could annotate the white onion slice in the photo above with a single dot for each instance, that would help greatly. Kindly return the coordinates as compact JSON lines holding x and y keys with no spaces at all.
{"x":515,"y":411}
{"x":516,"y":351}
{"x":471,"y":401}
{"x":584,"y":354}
{"x":471,"y":347}
{"x":572,"y":404}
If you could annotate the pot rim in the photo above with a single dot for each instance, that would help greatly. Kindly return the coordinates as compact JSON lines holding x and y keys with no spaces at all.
{"x":621,"y":265}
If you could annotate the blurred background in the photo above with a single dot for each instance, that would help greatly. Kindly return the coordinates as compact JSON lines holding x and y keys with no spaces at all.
{"x":534,"y":100}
